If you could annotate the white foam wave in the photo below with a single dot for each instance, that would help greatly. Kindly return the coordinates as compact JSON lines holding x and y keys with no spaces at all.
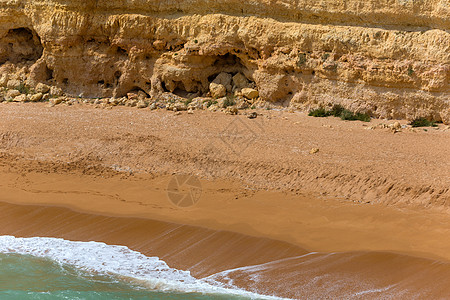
{"x":118,"y":260}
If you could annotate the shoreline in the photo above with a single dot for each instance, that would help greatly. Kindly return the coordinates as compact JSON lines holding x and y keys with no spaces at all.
{"x":233,"y":259}
{"x":168,"y":241}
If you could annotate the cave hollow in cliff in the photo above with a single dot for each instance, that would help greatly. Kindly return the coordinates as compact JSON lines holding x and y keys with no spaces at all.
{"x":20,"y":45}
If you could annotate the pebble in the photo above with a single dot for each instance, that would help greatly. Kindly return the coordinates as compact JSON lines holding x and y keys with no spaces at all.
{"x":252,"y":115}
{"x":314,"y":150}
{"x":231,"y":110}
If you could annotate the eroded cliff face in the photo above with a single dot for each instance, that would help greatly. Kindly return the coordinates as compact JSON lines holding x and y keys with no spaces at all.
{"x":388,"y":58}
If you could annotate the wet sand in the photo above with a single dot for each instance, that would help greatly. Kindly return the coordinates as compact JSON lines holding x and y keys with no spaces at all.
{"x":255,"y":264}
{"x":310,"y":222}
{"x":377,"y":224}
{"x":200,"y":250}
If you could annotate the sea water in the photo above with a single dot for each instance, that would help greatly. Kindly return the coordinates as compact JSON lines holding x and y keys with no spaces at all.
{"x":49,"y":268}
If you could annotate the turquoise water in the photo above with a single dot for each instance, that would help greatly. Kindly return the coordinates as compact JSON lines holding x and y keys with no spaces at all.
{"x":29,"y":277}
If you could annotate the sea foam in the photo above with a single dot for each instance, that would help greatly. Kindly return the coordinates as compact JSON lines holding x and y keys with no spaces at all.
{"x":101,"y":258}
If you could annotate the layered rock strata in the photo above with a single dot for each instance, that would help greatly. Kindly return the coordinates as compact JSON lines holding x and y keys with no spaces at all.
{"x":390,"y":59}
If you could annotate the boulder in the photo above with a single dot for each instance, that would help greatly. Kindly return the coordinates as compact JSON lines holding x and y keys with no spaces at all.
{"x":250,"y":93}
{"x":36,"y":97}
{"x":240,"y":81}
{"x":21,"y":98}
{"x":56,"y":91}
{"x":42,"y":88}
{"x":13,"y":83}
{"x":225,"y":80}
{"x":141,"y":104}
{"x":11,"y":94}
{"x":4,"y":80}
{"x":217,"y":90}
{"x":56,"y":101}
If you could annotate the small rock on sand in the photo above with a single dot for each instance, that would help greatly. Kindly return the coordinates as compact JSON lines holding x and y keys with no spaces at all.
{"x":314,"y":150}
{"x":232,"y":110}
{"x":252,"y":115}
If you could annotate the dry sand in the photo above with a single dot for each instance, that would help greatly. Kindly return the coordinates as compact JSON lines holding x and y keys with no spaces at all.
{"x":371,"y":195}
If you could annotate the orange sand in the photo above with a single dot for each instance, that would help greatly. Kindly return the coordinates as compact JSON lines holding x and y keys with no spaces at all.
{"x":272,"y":201}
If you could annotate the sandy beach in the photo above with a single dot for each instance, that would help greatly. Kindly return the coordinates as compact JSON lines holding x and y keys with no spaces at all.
{"x":226,"y":150}
{"x":376,"y":201}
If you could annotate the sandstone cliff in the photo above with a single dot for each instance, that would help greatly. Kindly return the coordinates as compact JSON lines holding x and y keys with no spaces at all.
{"x":390,"y":58}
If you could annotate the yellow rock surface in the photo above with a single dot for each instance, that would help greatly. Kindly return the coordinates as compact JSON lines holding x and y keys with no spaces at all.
{"x":388,"y":58}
